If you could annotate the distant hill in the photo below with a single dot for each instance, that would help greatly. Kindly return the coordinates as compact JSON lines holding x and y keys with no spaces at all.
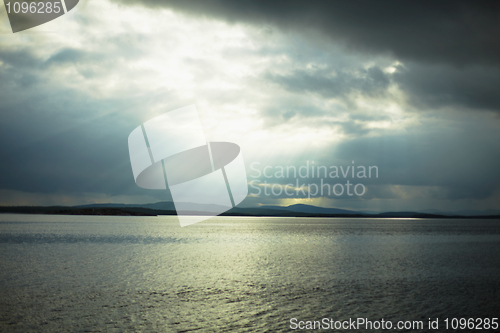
{"x":168,"y":208}
{"x":164,"y":205}
{"x":61,"y":210}
{"x":312,"y":209}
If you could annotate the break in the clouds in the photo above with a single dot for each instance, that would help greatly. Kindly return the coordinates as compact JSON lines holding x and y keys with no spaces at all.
{"x":410,"y":87}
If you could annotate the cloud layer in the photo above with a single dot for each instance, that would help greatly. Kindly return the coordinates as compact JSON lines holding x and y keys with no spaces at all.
{"x":407,"y":86}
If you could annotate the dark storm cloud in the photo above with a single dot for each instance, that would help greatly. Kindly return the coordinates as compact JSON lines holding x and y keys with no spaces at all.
{"x":56,"y":139}
{"x":67,"y":55}
{"x":462,"y":161}
{"x":474,"y":87}
{"x":337,"y":84}
{"x":287,"y":111}
{"x":19,"y":58}
{"x":457,"y":32}
{"x":343,"y":82}
{"x":24,"y":61}
{"x":70,"y":156}
{"x":120,"y":47}
{"x":428,"y":86}
{"x":41,"y":153}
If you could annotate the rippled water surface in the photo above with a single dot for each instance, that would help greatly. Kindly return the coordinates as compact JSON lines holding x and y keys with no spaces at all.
{"x":236,"y":274}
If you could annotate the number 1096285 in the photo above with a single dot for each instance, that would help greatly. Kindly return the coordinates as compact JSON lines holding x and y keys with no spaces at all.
{"x":34,"y":7}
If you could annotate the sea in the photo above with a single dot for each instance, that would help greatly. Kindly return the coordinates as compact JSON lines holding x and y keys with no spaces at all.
{"x":248,"y":274}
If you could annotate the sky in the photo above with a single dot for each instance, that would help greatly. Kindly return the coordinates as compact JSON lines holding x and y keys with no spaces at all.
{"x":411,"y":88}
